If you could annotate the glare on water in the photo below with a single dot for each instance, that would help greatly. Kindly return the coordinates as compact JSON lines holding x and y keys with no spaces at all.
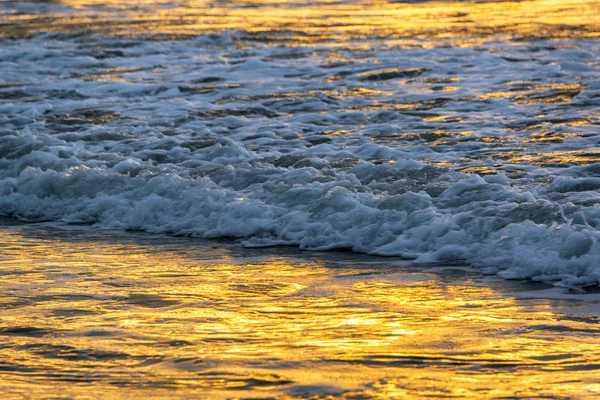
{"x":112,"y":316}
{"x":318,"y":21}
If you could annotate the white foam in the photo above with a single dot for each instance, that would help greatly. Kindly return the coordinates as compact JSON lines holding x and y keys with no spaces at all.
{"x":272,"y":152}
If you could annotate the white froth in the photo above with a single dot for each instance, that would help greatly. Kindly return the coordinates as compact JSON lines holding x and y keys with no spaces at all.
{"x":218,"y":142}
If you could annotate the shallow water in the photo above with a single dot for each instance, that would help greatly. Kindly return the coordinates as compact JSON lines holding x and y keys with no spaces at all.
{"x":114,"y":315}
{"x":455,"y":138}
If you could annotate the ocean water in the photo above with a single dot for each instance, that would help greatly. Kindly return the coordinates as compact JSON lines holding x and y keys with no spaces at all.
{"x":91,"y":314}
{"x":172,"y":172}
{"x":453,"y":132}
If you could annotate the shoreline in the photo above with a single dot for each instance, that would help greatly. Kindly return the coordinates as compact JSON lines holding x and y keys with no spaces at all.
{"x":143,"y":315}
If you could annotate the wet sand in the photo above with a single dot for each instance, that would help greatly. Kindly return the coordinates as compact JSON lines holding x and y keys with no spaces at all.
{"x":90,"y":314}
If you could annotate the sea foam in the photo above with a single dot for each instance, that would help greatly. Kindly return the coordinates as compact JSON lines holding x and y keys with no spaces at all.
{"x":281,"y":146}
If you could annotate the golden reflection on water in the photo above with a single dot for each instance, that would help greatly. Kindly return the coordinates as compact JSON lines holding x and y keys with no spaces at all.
{"x":573,"y":157}
{"x":456,"y":21}
{"x":123,"y":318}
{"x":554,"y":93}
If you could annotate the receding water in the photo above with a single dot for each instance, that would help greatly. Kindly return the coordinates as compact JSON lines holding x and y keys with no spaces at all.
{"x":115,"y":315}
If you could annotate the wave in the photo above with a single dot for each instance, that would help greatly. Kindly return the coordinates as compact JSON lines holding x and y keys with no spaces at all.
{"x":486,"y":156}
{"x":398,"y":208}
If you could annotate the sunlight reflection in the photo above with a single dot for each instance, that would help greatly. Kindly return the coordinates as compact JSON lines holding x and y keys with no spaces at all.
{"x":309,"y":22}
{"x":142,"y":317}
